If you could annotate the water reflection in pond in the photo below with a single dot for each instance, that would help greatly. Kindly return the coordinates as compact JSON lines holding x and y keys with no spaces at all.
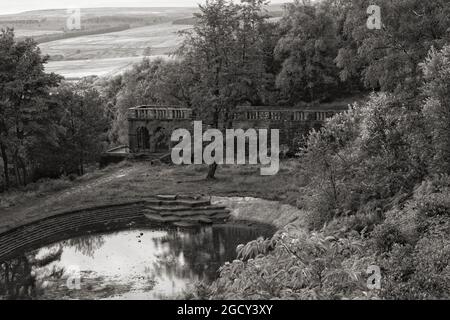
{"x":139,"y":263}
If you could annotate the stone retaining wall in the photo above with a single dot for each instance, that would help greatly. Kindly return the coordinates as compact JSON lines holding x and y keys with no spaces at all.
{"x":160,"y":210}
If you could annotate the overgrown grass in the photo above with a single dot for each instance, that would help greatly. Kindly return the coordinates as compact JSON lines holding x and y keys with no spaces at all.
{"x":49,"y":187}
{"x":130,"y":181}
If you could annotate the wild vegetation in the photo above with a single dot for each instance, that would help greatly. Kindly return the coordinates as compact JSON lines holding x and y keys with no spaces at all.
{"x":377,"y":176}
{"x":52,"y":22}
{"x":375,"y":179}
{"x":46,"y":128}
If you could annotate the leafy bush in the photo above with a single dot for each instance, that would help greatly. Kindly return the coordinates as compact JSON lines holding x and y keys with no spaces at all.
{"x":418,"y":272}
{"x":417,"y":263}
{"x":294,"y":264}
{"x":377,"y":184}
{"x":386,"y":236}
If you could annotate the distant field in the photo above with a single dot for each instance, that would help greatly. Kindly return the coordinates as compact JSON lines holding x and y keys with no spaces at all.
{"x":93,"y":18}
{"x":149,"y":40}
{"x":110,"y":53}
{"x":34,"y":33}
{"x":76,"y":69}
{"x":110,"y":39}
{"x":152,"y":33}
{"x":78,"y":33}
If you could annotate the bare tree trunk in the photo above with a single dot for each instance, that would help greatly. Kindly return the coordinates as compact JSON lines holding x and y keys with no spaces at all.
{"x":212,"y":171}
{"x":17,"y":174}
{"x":213,"y":167}
{"x":16,"y":170}
{"x":81,"y":167}
{"x":5,"y":164}
{"x":24,"y":171}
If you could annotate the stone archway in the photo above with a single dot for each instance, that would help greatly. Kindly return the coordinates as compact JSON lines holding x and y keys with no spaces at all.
{"x":143,"y":138}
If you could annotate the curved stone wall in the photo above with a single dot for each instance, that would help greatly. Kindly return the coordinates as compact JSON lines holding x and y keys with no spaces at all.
{"x":161,"y":210}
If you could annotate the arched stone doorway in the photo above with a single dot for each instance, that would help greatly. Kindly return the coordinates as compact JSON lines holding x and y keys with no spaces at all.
{"x":143,"y":138}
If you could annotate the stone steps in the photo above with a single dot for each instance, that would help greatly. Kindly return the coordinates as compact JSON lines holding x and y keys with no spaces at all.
{"x":184,"y":224}
{"x":158,"y":218}
{"x":174,"y":208}
{"x":178,"y":202}
{"x":187,"y":213}
{"x":182,"y":212}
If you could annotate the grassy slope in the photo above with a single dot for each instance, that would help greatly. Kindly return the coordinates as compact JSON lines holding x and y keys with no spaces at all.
{"x":152,"y":34}
{"x":132,"y":181}
{"x":112,"y":52}
{"x":162,"y":38}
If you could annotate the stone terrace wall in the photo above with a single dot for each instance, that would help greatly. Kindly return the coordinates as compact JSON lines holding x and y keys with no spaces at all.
{"x":292,"y":123}
{"x":150,"y":127}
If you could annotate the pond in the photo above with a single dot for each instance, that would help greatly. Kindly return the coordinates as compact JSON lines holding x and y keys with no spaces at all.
{"x":138,"y":261}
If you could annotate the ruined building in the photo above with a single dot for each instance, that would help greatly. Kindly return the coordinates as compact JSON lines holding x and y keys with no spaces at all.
{"x":150,"y":127}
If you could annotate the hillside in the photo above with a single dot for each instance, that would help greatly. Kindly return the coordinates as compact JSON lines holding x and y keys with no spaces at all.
{"x":108,"y":54}
{"x":110,"y":39}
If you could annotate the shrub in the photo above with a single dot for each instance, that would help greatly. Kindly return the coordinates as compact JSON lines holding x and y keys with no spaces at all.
{"x":421,"y":271}
{"x":386,"y":235}
{"x":294,"y":264}
{"x":417,"y":264}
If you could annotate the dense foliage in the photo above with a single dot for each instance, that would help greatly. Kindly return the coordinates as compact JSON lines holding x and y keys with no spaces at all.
{"x":377,"y":176}
{"x":47,"y":128}
{"x":377,"y":191}
{"x":378,"y":195}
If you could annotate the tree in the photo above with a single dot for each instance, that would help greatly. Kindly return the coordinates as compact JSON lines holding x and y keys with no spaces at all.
{"x":85,"y":126}
{"x":307,"y":49}
{"x":388,"y":59}
{"x":436,"y":109}
{"x":24,"y":91}
{"x":226,"y":54}
{"x":160,"y":82}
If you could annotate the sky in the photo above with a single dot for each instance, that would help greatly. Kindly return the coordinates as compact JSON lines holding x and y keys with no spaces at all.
{"x":15,"y":6}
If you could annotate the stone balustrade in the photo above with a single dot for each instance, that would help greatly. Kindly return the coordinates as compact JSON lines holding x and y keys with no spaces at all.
{"x":159,"y":113}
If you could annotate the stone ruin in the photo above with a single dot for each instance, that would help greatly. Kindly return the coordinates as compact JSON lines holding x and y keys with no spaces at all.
{"x":150,"y":127}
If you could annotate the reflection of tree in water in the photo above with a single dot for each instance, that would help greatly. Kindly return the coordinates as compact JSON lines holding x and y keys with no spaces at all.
{"x":18,"y":276}
{"x":202,"y":250}
{"x":86,"y":245}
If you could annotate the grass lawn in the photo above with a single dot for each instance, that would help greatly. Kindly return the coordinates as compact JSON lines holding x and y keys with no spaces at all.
{"x":130,"y":181}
